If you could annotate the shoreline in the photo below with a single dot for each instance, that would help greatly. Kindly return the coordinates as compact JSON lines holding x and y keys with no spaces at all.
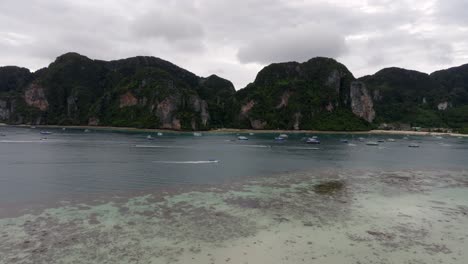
{"x":233,"y":130}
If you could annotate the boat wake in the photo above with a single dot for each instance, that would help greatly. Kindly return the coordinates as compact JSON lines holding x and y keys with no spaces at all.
{"x":21,"y":141}
{"x":158,"y":146}
{"x":302,"y":148}
{"x":255,"y":146}
{"x":187,"y":162}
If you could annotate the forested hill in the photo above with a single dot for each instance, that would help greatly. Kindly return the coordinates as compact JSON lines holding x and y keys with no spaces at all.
{"x":148,"y":92}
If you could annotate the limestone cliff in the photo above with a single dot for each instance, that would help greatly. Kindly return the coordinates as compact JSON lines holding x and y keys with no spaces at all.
{"x":149,"y":92}
{"x":362,"y":104}
{"x":35,"y":96}
{"x":310,"y":95}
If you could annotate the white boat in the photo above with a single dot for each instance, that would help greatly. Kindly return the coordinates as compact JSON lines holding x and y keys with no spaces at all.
{"x":413,"y":145}
{"x":391,"y":140}
{"x":283,"y":136}
{"x":32,"y":127}
{"x":312,"y":141}
{"x":149,"y":137}
{"x":251,"y":134}
{"x":86,"y":131}
{"x":242,"y":138}
{"x":197,"y":134}
{"x":372,"y":143}
{"x":63,"y":128}
{"x":439,"y":137}
{"x":160,"y":134}
{"x":45,"y":133}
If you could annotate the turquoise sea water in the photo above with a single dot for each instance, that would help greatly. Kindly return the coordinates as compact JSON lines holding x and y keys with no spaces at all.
{"x":72,"y":162}
{"x":103,"y":197}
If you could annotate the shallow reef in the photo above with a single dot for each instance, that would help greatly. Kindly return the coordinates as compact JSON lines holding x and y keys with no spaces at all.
{"x":329,"y":216}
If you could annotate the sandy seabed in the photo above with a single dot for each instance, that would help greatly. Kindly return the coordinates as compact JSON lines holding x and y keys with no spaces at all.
{"x":326,"y":216}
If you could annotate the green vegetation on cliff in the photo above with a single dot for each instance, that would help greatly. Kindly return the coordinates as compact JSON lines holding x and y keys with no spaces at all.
{"x":148,"y":92}
{"x":310,"y":95}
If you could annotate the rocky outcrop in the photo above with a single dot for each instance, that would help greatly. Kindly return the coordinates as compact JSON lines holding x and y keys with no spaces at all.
{"x":245,"y":109}
{"x":72,"y":106}
{"x":258,"y":124}
{"x":443,"y":106}
{"x":93,"y":121}
{"x":35,"y":96}
{"x":128,"y":99}
{"x":284,"y":100}
{"x":4,"y":110}
{"x":165,"y":111}
{"x":200,"y":107}
{"x":297,"y":120}
{"x":361,"y":101}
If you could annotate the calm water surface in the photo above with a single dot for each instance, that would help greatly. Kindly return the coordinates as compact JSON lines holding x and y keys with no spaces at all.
{"x":110,"y":197}
{"x":72,"y":162}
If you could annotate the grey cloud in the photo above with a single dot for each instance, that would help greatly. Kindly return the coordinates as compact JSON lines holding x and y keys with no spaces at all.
{"x":171,"y":26}
{"x":452,"y":11}
{"x":202,"y":35}
{"x":297,"y":44}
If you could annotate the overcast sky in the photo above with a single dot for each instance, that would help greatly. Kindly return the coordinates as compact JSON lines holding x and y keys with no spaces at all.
{"x":236,"y":38}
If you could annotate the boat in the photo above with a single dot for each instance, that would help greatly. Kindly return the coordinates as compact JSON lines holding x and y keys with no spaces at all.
{"x":86,"y":131}
{"x":413,"y":145}
{"x":380,"y":140}
{"x":63,"y":128}
{"x":242,"y":138}
{"x":45,"y":133}
{"x":160,"y":134}
{"x":312,"y":141}
{"x":149,"y":137}
{"x":251,"y":134}
{"x":372,"y":143}
{"x":439,"y":137}
{"x":280,"y":139}
{"x":197,"y":134}
{"x":361,"y":139}
{"x":405,"y":138}
{"x":391,"y":140}
{"x":32,"y":127}
{"x":283,"y":136}
{"x":344,"y":141}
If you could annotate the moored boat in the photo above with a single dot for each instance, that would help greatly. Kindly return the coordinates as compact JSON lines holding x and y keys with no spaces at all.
{"x":242,"y":138}
{"x":313,"y":141}
{"x":413,"y":145}
{"x":372,"y":143}
{"x":45,"y":133}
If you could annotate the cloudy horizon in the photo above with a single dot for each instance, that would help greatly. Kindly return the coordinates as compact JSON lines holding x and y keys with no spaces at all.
{"x":235,"y":40}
